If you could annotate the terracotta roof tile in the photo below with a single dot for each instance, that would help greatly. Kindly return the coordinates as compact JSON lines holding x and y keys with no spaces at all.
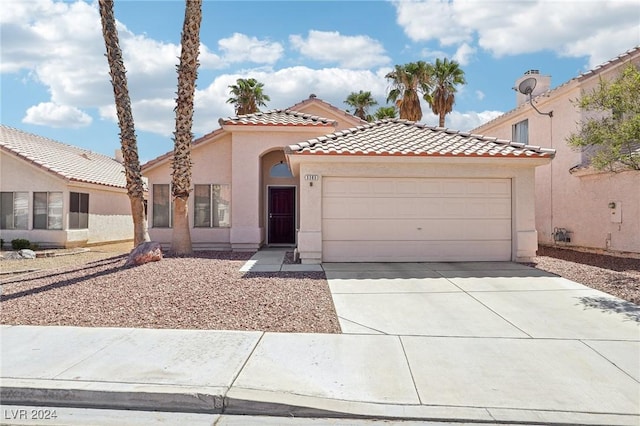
{"x":66,"y":161}
{"x":402,"y":137}
{"x":278,"y":117}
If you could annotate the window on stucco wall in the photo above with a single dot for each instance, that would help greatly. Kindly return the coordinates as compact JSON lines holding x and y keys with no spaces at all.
{"x":162,"y":206}
{"x":212,"y":206}
{"x":14,"y":210}
{"x":47,"y":210}
{"x":280,"y":170}
{"x":520,"y":132}
{"x":78,"y":210}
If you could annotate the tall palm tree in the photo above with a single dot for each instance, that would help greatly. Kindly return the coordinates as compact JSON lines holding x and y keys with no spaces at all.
{"x":131,"y":162}
{"x":361,"y":101}
{"x":446,"y":76}
{"x":248,"y":96}
{"x":385,"y":112}
{"x":408,"y":82}
{"x":181,"y":176}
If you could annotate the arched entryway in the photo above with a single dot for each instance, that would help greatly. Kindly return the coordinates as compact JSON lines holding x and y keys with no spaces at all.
{"x":279,"y":200}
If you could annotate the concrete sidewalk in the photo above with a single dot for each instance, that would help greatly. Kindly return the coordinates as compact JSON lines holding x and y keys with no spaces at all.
{"x":493,"y":343}
{"x":273,"y":260}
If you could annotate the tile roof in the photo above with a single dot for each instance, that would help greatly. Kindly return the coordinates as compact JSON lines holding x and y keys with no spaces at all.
{"x":66,"y":161}
{"x":313,"y":99}
{"x":278,"y":117}
{"x":407,"y":138}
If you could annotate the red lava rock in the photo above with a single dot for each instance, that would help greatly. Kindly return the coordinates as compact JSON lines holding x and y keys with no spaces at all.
{"x":146,"y":252}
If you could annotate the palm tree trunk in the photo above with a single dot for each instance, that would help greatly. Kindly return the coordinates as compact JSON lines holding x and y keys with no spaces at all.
{"x":181,"y":177}
{"x":441,"y":119}
{"x":133,"y":174}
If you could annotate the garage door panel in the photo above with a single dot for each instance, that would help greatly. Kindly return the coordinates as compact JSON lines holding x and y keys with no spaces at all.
{"x":414,"y":251}
{"x":388,"y":219}
{"x":416,"y":229}
{"x":436,"y":208}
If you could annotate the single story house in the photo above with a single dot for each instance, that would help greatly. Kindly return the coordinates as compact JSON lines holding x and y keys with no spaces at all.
{"x":342,"y":190}
{"x":576,"y":205}
{"x":58,"y":195}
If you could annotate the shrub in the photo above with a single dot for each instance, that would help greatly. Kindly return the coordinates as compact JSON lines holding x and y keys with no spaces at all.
{"x":20,"y":243}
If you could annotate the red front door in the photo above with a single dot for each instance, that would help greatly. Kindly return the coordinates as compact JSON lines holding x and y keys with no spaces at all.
{"x":282,"y":215}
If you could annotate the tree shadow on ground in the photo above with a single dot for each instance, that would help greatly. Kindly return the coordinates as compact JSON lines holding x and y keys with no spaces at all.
{"x":84,"y":276}
{"x":611,"y":305}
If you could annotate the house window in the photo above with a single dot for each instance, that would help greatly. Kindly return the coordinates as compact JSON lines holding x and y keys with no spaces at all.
{"x":162,"y":206}
{"x":78,"y":211}
{"x":212,"y":206}
{"x":280,"y":170}
{"x":14,"y":210}
{"x":47,"y":210}
{"x":520,"y":132}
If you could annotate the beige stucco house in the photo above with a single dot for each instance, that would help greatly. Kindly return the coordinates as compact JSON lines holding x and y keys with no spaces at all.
{"x":576,"y":206}
{"x":339,"y":189}
{"x":58,"y":195}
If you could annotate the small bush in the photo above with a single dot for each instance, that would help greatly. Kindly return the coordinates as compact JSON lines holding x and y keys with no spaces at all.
{"x":20,"y":243}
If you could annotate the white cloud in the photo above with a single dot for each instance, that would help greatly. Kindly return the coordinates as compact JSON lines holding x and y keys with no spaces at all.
{"x":242,"y":48}
{"x":461,"y":121}
{"x":54,"y":115}
{"x":480,"y":95}
{"x":430,"y":20}
{"x":287,"y":87}
{"x":432,"y":55}
{"x":598,"y":29}
{"x":464,"y":54}
{"x":356,"y":52}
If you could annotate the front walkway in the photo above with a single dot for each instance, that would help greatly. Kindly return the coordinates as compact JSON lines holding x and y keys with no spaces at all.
{"x":273,"y":260}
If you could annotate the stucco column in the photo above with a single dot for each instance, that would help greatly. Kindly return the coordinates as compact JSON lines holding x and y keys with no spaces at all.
{"x":310,"y":231}
{"x":524,"y":216}
{"x":246,"y":233}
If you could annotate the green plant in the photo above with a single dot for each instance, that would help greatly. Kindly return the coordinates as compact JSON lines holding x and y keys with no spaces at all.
{"x":20,"y":243}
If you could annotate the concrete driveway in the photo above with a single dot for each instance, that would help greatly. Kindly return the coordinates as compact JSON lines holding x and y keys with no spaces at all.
{"x":499,"y":335}
{"x":475,"y":299}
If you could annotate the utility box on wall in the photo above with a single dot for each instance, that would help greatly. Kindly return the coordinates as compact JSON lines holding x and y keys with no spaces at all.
{"x":616,"y":211}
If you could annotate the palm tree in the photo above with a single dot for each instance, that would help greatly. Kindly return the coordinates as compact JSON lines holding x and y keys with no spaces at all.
{"x":248,"y":96}
{"x":181,"y":176}
{"x":361,"y":101}
{"x":131,"y":162}
{"x":385,"y":112}
{"x":408,"y":82}
{"x":446,"y":76}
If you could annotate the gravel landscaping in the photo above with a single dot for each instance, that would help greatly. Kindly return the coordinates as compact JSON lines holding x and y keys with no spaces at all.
{"x":618,"y":276}
{"x":204,"y":291}
{"x":207,"y":290}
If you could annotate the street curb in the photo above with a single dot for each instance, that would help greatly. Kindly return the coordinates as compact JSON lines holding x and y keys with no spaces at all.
{"x":144,"y":401}
{"x":203,"y":403}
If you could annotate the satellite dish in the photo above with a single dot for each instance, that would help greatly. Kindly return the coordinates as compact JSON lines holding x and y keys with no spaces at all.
{"x":527,"y":85}
{"x":526,"y":88}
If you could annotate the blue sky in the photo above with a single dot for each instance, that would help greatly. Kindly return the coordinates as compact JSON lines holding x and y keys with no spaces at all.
{"x":55,"y":79}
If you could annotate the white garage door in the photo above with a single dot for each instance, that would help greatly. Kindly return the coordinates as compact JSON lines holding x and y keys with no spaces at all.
{"x":408,"y":220}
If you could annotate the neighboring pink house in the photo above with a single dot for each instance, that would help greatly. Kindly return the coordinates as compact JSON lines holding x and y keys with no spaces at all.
{"x":340,"y":189}
{"x":576,"y":206}
{"x":58,"y":195}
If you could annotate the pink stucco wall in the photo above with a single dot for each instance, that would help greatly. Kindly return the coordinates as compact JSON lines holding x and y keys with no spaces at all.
{"x":238,"y":155}
{"x":579,"y":201}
